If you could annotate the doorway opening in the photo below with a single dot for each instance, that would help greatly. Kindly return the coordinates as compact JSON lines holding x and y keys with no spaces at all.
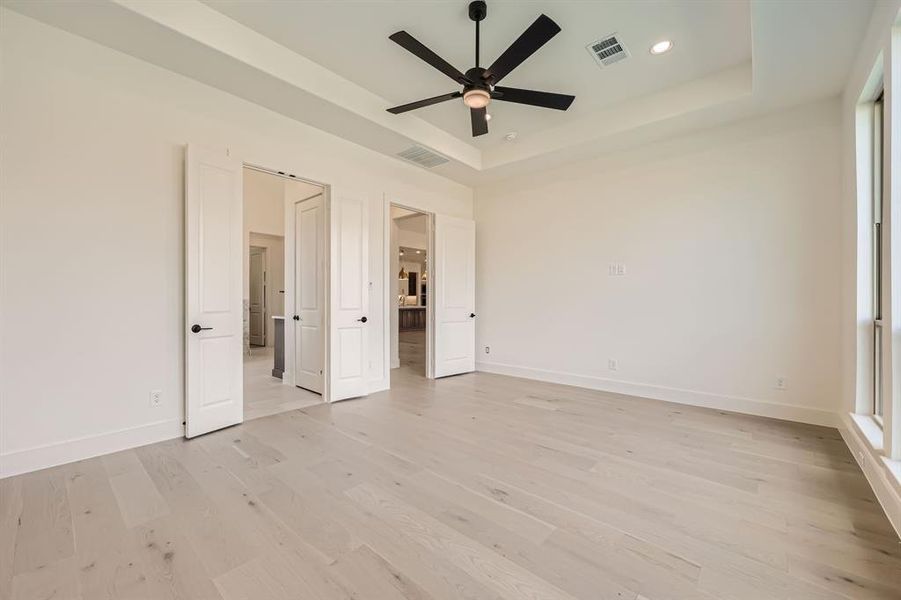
{"x":409,"y":275}
{"x":279,"y":256}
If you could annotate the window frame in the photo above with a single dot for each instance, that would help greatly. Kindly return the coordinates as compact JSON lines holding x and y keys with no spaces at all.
{"x":877,"y":406}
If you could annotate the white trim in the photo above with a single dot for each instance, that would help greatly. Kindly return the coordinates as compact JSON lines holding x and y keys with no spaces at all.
{"x":389,"y":301}
{"x":51,"y":455}
{"x":883,"y":475}
{"x":751,"y":406}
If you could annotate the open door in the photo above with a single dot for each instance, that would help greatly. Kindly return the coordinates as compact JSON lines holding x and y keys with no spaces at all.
{"x":214,"y":395}
{"x":454,"y":295}
{"x":309,"y":296}
{"x":258,"y":286}
{"x":348,"y":298}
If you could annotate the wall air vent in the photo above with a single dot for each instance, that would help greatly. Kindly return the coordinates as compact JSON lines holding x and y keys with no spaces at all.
{"x":608,"y":50}
{"x":422,"y":157}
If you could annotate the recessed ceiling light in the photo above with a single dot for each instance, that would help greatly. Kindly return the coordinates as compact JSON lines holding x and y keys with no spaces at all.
{"x":662,"y":47}
{"x":417,"y":252}
{"x":487,"y":117}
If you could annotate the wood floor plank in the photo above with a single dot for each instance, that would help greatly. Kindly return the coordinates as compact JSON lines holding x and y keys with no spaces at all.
{"x":105,"y":551}
{"x":507,"y":578}
{"x":44,"y":533}
{"x":309,"y":515}
{"x":273,"y":577}
{"x":10,"y":510}
{"x":173,"y":566}
{"x":139,"y":500}
{"x":477,"y":487}
{"x":58,"y":579}
{"x":221,"y":543}
{"x":371,"y":576}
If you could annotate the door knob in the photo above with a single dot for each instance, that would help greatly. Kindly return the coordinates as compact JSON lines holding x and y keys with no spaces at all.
{"x":195,"y":328}
{"x":472,"y":315}
{"x":362,"y":320}
{"x":297,"y":317}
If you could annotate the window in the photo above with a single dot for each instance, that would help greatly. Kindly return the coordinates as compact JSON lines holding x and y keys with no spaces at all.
{"x":877,"y":259}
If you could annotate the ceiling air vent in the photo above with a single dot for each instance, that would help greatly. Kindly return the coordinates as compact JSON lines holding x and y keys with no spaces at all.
{"x":422,"y":157}
{"x":608,"y":50}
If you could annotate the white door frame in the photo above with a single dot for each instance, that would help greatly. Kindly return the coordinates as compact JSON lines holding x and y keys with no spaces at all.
{"x":391,"y":288}
{"x":288,"y":374}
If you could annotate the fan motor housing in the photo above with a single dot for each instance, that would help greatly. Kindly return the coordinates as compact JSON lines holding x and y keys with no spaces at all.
{"x":478,"y":10}
{"x":477,"y":76}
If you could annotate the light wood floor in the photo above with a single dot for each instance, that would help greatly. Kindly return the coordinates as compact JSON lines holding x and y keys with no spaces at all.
{"x":266,"y":395}
{"x":411,"y":351}
{"x":477,"y":486}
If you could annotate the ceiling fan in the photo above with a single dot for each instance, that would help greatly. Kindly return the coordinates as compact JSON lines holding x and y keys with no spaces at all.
{"x":480,"y":84}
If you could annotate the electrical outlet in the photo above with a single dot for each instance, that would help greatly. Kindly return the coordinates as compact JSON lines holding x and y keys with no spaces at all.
{"x":487,"y":349}
{"x":612,"y":365}
{"x":781,"y":383}
{"x":156,"y":398}
{"x":616,"y":269}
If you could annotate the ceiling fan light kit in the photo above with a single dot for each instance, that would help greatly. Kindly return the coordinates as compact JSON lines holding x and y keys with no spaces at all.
{"x":480,"y":84}
{"x":476,"y":98}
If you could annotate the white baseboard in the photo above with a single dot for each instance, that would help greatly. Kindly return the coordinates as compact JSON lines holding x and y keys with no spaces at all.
{"x":788,"y":412}
{"x":33,"y":459}
{"x":876,"y":468}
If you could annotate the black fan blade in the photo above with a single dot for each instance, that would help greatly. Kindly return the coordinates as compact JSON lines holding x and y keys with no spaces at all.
{"x":533,"y":38}
{"x":427,"y":102}
{"x":479,"y":122}
{"x":532,"y":97}
{"x":411,"y":44}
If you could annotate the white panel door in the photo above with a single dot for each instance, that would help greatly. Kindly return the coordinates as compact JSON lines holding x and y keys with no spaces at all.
{"x":258,"y":296}
{"x":349,"y":298}
{"x":213,"y":291}
{"x":309,"y":294}
{"x":454,"y":295}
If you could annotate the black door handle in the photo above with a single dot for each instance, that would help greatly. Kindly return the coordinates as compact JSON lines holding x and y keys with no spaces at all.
{"x":297,"y":317}
{"x":195,"y":328}
{"x":472,"y":315}
{"x":362,"y":320}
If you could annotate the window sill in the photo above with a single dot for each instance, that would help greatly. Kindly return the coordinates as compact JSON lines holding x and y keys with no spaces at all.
{"x":870,"y":430}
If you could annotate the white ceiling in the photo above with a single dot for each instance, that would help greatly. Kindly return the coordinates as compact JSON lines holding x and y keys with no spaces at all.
{"x":330,"y":64}
{"x":415,"y":222}
{"x":410,"y":255}
{"x":351,"y":39}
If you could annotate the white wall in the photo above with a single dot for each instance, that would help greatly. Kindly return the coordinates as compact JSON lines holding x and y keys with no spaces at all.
{"x":92,"y":193}
{"x":730,"y":238}
{"x":264,"y":202}
{"x":413,"y":239}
